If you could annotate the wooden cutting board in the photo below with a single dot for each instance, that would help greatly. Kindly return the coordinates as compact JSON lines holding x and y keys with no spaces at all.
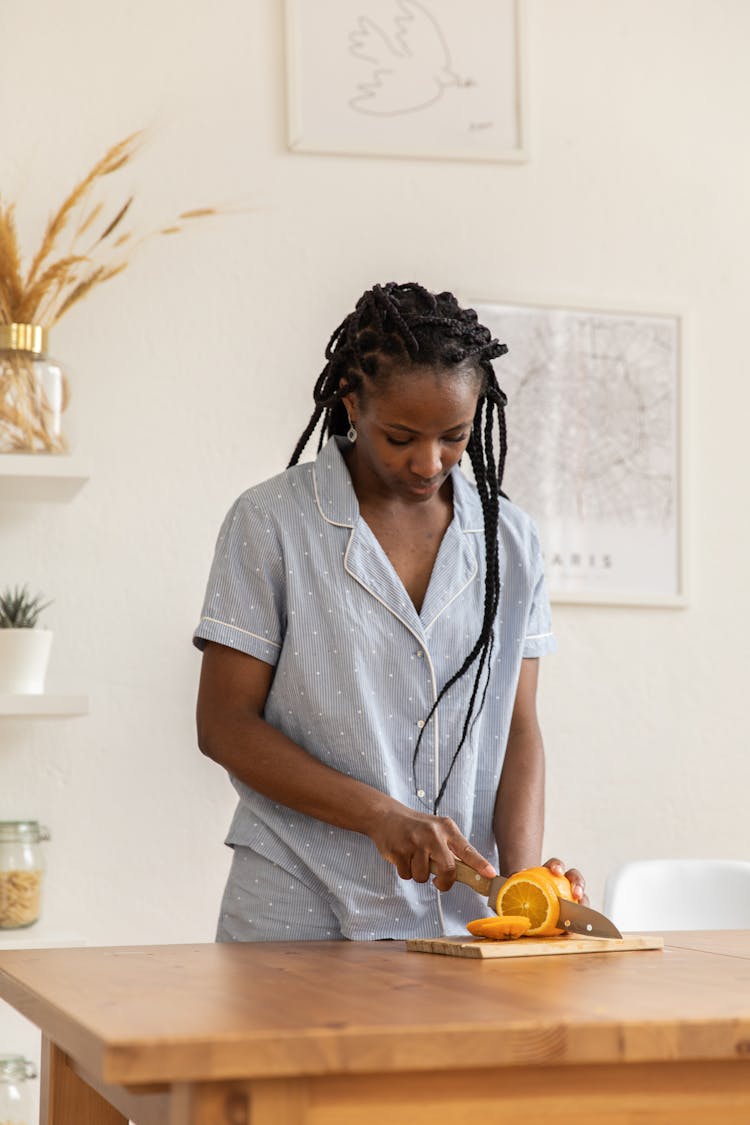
{"x":531,"y":947}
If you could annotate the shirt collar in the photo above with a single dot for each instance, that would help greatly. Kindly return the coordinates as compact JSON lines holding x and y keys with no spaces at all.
{"x":334,"y":491}
{"x":337,"y":500}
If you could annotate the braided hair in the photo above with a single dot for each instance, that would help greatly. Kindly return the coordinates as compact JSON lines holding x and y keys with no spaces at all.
{"x":408,"y":323}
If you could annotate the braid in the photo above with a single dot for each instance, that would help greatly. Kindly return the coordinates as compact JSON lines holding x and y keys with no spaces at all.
{"x":409,"y":323}
{"x":482,"y":461}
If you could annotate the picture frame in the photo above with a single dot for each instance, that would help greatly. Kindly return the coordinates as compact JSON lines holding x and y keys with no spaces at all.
{"x":406,"y":79}
{"x":596,"y":448}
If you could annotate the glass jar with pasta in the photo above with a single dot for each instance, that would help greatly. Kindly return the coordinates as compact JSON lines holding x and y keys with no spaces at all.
{"x":21,"y":870}
{"x":16,"y":1103}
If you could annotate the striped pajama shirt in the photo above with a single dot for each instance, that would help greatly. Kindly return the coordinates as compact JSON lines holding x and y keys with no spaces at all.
{"x":299,"y":581}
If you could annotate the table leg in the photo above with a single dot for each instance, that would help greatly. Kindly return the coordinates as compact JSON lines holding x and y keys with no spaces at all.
{"x":66,"y":1099}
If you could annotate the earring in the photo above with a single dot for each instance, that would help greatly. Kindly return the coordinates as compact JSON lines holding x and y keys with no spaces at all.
{"x":351,"y":433}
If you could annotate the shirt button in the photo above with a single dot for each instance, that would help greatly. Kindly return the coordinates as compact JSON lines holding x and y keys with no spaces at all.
{"x":420,"y":723}
{"x":420,"y":654}
{"x":420,"y":793}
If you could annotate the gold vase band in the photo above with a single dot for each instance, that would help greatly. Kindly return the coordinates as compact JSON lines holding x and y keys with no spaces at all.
{"x":23,"y":338}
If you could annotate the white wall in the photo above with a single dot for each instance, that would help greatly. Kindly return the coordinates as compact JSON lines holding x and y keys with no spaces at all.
{"x":192,"y":375}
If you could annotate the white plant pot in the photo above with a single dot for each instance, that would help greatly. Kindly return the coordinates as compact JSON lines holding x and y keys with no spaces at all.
{"x":24,"y":656}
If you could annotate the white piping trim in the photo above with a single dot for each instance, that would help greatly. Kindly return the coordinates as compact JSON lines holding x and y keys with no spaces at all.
{"x":538,"y":636}
{"x":468,"y":582}
{"x":372,"y":592}
{"x":226,"y":625}
{"x":416,"y":636}
{"x":336,"y":523}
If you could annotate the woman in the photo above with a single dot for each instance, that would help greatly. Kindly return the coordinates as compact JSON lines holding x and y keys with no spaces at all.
{"x":371,"y":634}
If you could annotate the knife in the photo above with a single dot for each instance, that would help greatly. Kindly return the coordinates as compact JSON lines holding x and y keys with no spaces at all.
{"x":574,"y":917}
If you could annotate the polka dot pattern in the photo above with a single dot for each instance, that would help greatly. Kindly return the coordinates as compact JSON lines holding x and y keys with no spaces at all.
{"x":299,"y":581}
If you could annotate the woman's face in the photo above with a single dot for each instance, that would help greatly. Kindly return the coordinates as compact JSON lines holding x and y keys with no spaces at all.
{"x":411,"y":430}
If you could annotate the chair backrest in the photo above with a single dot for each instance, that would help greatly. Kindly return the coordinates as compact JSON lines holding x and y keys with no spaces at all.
{"x":679,"y":894}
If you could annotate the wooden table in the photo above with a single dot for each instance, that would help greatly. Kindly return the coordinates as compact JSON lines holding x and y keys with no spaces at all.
{"x":354,"y":1033}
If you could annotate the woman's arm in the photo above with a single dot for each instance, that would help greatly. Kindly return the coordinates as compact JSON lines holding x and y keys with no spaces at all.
{"x":519,"y":808}
{"x":232,"y":731}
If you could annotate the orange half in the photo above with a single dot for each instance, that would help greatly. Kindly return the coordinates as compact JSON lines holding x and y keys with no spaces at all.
{"x":533,"y":894}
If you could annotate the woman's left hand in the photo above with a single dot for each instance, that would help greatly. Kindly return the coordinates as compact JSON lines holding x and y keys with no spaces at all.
{"x":574,"y":877}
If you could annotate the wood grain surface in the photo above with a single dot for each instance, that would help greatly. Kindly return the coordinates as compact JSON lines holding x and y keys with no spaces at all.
{"x":479,"y":949}
{"x":268,"y":1010}
{"x":730,"y":943}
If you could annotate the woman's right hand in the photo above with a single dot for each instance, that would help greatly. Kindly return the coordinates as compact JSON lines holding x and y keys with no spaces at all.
{"x":412,"y":841}
{"x":232,"y":731}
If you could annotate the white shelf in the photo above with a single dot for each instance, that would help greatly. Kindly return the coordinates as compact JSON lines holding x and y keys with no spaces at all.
{"x":41,"y":476}
{"x":26,"y":938}
{"x":47,"y":704}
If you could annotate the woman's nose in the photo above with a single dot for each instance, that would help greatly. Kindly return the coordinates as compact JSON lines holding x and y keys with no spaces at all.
{"x":426,"y":461}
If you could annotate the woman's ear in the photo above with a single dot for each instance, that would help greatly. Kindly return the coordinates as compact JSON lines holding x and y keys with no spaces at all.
{"x":351,"y":405}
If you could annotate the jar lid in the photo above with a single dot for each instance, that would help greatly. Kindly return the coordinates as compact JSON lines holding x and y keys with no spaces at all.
{"x":23,"y":830}
{"x":16,"y":1066}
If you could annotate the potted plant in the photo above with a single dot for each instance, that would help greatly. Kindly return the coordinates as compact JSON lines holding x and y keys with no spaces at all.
{"x":24,"y":648}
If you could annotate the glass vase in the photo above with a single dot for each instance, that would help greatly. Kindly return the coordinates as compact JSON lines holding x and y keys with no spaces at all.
{"x":33,"y":392}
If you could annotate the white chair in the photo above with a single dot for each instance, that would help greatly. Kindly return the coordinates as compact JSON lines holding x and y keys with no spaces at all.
{"x":679,"y":894}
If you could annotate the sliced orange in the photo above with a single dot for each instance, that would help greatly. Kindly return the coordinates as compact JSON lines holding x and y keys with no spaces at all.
{"x":533,"y":894}
{"x":499,"y":929}
{"x":564,"y":889}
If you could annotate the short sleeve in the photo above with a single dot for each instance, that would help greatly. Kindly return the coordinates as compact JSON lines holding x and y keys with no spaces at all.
{"x":539,"y":636}
{"x":245,"y":602}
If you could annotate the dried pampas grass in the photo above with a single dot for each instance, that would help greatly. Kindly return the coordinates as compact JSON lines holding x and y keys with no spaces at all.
{"x":52,"y":285}
{"x":98,"y":249}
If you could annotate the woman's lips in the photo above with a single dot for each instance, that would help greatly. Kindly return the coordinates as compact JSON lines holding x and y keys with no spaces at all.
{"x":425,"y":488}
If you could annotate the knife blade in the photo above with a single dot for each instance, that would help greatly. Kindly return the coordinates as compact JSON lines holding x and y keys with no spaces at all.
{"x":575,"y":918}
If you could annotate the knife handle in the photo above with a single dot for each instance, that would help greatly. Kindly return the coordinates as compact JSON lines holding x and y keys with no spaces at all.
{"x":470,"y":877}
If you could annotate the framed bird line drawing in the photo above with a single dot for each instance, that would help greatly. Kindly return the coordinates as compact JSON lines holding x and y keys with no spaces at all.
{"x":428,"y":79}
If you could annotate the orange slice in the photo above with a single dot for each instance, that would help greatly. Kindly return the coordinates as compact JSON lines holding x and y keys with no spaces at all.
{"x":533,"y":894}
{"x":499,"y":929}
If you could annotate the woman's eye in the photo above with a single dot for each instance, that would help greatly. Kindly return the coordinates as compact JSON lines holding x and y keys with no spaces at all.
{"x":406,"y":441}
